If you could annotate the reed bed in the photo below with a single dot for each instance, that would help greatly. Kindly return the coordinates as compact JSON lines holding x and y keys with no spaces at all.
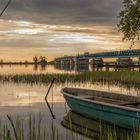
{"x":35,"y":129}
{"x":125,"y":78}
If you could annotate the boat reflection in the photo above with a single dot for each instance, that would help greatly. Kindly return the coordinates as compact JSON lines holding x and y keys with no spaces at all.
{"x":94,"y":129}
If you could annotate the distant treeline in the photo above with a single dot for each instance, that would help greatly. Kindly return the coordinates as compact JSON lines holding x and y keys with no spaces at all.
{"x":36,"y":60}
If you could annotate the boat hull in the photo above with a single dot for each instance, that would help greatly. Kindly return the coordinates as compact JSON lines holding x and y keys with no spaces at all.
{"x":114,"y":115}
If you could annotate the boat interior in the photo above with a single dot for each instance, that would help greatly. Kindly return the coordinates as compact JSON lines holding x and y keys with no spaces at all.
{"x":106,"y":97}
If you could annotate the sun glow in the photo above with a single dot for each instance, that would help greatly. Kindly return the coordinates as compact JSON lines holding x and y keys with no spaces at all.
{"x":26,"y":31}
{"x":23,"y":39}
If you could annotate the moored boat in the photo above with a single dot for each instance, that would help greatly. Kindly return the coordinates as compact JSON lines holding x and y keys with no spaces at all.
{"x":117,"y":109}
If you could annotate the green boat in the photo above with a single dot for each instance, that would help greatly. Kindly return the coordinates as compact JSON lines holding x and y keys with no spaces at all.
{"x":117,"y":109}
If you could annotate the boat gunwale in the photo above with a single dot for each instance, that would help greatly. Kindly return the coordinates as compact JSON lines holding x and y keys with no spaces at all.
{"x":99,"y":102}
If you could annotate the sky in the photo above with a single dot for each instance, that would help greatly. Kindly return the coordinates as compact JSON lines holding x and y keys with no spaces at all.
{"x":55,"y":28}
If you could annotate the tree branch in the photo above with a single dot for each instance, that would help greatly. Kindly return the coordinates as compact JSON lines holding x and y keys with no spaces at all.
{"x":6,"y":6}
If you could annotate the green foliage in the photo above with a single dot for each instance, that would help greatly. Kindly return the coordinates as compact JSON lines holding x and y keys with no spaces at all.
{"x":130,"y":20}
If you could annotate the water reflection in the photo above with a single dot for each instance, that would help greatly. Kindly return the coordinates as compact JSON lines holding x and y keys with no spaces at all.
{"x":31,"y":69}
{"x":64,"y":67}
{"x":23,"y":99}
{"x":46,"y":99}
{"x":36,"y":69}
{"x":50,"y":109}
{"x":94,"y":129}
{"x":78,"y":68}
{"x":25,"y":94}
{"x":81,"y":68}
{"x":86,"y":67}
{"x":74,"y":68}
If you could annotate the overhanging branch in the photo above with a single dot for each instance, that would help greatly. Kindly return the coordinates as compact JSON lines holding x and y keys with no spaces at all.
{"x":6,"y":6}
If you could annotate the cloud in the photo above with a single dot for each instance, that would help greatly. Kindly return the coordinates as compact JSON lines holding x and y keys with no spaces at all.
{"x":64,"y":11}
{"x":59,"y":27}
{"x":52,"y":40}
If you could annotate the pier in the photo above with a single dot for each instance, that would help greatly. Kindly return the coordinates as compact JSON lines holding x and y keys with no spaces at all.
{"x":123,"y":59}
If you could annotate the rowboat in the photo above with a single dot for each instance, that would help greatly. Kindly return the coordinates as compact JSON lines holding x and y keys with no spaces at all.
{"x":118,"y":109}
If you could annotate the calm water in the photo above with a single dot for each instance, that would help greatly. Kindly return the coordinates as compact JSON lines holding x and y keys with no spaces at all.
{"x":33,"y":69}
{"x":23,"y":99}
{"x":30,"y":69}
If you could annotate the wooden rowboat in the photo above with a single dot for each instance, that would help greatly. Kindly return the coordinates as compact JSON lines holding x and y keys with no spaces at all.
{"x":117,"y":109}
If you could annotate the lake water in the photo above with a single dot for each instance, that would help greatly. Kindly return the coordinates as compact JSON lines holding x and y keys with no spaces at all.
{"x":23,"y":99}
{"x":30,"y":69}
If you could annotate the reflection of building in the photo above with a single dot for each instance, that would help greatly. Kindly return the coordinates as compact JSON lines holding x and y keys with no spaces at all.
{"x":64,"y":67}
{"x":81,"y":61}
{"x":139,"y":62}
{"x":67,"y":67}
{"x":94,"y":129}
{"x":81,"y":68}
{"x":124,"y":62}
{"x":77,"y":68}
{"x":97,"y":62}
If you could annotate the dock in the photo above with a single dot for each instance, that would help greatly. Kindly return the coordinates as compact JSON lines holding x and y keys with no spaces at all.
{"x":123,"y":59}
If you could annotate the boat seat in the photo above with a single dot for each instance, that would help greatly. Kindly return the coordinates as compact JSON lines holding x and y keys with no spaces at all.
{"x":86,"y":96}
{"x":117,"y":102}
{"x":106,"y":100}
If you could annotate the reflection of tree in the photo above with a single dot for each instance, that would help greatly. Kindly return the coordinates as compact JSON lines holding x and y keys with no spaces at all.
{"x":43,"y":60}
{"x":35,"y":67}
{"x":43,"y":67}
{"x":26,"y":63}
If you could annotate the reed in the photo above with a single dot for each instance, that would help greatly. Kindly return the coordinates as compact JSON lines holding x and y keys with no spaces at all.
{"x":125,"y":78}
{"x":36,"y":130}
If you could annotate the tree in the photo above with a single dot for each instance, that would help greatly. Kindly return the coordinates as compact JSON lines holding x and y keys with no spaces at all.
{"x":130,"y":20}
{"x":35,"y":59}
{"x":43,"y":59}
{"x":1,"y":61}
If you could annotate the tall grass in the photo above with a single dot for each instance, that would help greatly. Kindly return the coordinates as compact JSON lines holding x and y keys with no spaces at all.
{"x":126,"y":78}
{"x":35,"y":129}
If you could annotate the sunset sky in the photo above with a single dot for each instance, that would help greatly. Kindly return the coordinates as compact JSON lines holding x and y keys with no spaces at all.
{"x":55,"y":28}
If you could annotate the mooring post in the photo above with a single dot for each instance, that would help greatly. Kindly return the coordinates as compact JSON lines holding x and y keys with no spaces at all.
{"x":50,"y":88}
